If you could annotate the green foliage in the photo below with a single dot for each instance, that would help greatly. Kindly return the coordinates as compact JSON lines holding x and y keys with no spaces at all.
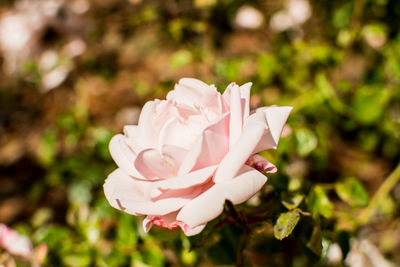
{"x":224,"y":251}
{"x":342,"y":15}
{"x":286,"y":223}
{"x":319,"y":203}
{"x":352,"y":191}
{"x":306,"y":141}
{"x":291,"y":201}
{"x":340,"y":71}
{"x":315,"y":242}
{"x":369,"y":104}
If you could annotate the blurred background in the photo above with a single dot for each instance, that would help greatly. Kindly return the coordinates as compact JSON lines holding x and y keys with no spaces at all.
{"x":74,"y":72}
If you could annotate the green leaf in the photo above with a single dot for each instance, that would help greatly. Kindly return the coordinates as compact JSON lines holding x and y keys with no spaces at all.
{"x":180,"y":59}
{"x":319,"y":203}
{"x":291,"y":201}
{"x":342,"y":15}
{"x":77,"y":260}
{"x":286,"y":223}
{"x":369,"y":104}
{"x":47,"y":149}
{"x":306,"y":141}
{"x":126,"y":232}
{"x":352,"y":191}
{"x":229,"y":69}
{"x":80,"y":193}
{"x":315,"y":242}
{"x":153,"y":255}
{"x":188,"y":256}
{"x":267,"y":67}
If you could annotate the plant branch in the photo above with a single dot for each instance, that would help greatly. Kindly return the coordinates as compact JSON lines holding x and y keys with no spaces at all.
{"x":380,"y":195}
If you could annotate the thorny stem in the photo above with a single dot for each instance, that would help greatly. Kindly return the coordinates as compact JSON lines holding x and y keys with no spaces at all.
{"x":241,"y":219}
{"x":380,"y":195}
{"x":243,"y":244}
{"x":238,"y":217}
{"x":207,"y":236}
{"x":233,"y":216}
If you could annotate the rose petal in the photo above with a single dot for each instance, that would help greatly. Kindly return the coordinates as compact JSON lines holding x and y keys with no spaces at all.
{"x":252,"y":132}
{"x":245,"y":95}
{"x":261,"y":164}
{"x":245,"y":185}
{"x":123,"y":156}
{"x":184,"y":181}
{"x":132,"y":134}
{"x":210,"y":148}
{"x":190,"y":91}
{"x":169,"y":221}
{"x":276,"y":118}
{"x":236,"y":119}
{"x":261,"y":131}
{"x":181,"y":134}
{"x":203,"y":208}
{"x":210,"y":204}
{"x":145,"y":125}
{"x":132,"y":196}
{"x":154,"y":164}
{"x":131,"y":131}
{"x":190,"y":231}
{"x":147,"y":223}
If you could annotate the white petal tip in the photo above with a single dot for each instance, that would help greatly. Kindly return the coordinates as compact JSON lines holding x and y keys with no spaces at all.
{"x":276,"y":119}
{"x":147,"y":224}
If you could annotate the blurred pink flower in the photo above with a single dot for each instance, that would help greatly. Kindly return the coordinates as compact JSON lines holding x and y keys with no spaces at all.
{"x":190,"y":153}
{"x":295,"y":13}
{"x":15,"y":243}
{"x":248,"y":18}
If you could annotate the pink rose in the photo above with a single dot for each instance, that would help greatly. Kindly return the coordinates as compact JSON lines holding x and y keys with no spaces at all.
{"x":190,"y":153}
{"x":15,"y":243}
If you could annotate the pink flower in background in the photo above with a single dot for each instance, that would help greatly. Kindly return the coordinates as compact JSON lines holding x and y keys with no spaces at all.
{"x":190,"y":153}
{"x":15,"y":243}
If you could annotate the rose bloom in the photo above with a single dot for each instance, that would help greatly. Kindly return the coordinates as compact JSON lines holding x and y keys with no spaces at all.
{"x":15,"y":243}
{"x":192,"y":152}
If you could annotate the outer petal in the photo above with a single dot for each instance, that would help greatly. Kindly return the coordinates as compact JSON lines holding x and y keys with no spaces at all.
{"x":276,"y":118}
{"x":210,"y":204}
{"x":146,"y":126}
{"x":123,"y":155}
{"x":245,"y":185}
{"x":169,"y":221}
{"x":132,"y":134}
{"x":238,"y":155}
{"x":203,"y":208}
{"x":190,"y":231}
{"x":245,"y":95}
{"x":132,"y":196}
{"x":261,"y":131}
{"x":261,"y":164}
{"x":236,"y":120}
{"x":191,"y":179}
{"x":210,"y":148}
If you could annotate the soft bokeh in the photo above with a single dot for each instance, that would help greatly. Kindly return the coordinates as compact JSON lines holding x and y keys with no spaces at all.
{"x":74,"y":72}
